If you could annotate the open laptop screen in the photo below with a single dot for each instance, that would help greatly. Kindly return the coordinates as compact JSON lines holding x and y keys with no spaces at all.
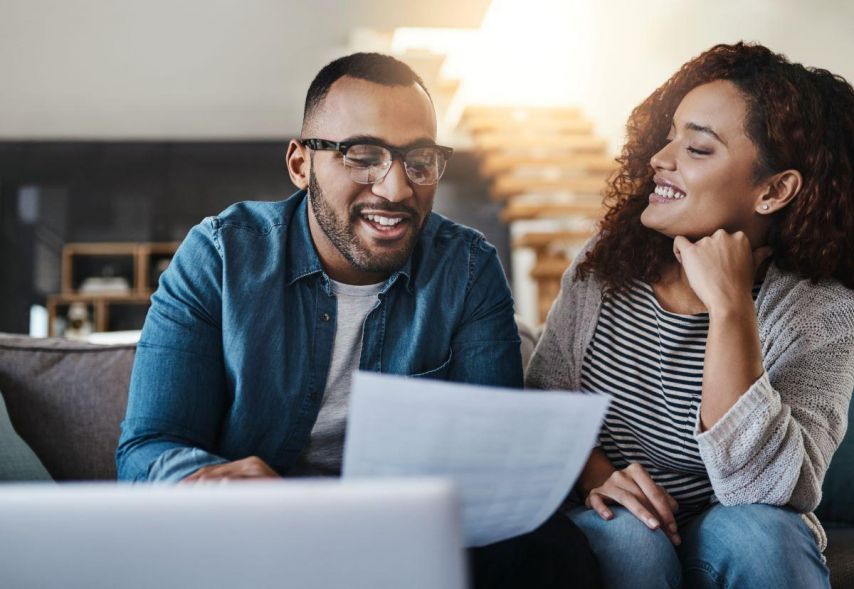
{"x":298,"y":533}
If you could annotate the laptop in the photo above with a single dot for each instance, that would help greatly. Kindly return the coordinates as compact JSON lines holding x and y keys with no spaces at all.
{"x":295,"y":533}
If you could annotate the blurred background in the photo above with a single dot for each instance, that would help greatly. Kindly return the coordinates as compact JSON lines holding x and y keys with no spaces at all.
{"x":123,"y":123}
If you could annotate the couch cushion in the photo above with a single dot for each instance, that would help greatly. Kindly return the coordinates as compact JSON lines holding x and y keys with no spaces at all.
{"x":66,"y":400}
{"x":840,"y":557}
{"x":529,"y":336}
{"x":837,"y":506}
{"x":18,"y":462}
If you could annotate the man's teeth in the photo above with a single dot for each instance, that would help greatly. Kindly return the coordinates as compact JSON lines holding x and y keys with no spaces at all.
{"x":669,"y":192}
{"x":388,"y":221}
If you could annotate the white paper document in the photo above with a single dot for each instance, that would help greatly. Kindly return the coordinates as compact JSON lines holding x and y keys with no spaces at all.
{"x":512,"y":455}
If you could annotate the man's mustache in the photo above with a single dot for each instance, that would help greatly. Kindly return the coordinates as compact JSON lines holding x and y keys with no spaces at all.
{"x":389,"y":207}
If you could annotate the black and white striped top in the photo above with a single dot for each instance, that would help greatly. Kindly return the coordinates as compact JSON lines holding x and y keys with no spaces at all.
{"x":651,"y":362}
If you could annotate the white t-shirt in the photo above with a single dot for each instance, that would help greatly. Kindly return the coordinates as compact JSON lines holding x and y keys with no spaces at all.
{"x":323,"y":455}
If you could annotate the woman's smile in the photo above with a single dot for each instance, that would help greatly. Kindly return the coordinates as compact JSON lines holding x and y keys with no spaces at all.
{"x":665,"y":192}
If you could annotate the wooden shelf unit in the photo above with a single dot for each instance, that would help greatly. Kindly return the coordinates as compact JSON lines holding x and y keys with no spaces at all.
{"x":100,"y":303}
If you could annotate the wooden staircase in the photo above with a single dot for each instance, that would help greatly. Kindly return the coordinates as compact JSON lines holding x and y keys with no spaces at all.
{"x":547,"y":166}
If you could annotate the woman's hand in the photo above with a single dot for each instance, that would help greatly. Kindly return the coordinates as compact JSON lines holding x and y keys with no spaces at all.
{"x":635,"y":490}
{"x":720,"y":268}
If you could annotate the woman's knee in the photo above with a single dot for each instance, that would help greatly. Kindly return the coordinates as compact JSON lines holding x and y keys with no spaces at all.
{"x":737,"y":543}
{"x":765,"y":531}
{"x":629,"y":553}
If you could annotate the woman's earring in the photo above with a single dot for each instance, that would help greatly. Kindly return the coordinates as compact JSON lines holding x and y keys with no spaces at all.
{"x":765,"y":207}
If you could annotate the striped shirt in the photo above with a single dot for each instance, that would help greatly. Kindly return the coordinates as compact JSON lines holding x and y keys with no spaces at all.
{"x":651,"y":362}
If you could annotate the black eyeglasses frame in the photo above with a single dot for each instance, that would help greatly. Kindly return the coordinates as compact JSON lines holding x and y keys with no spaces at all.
{"x":396,"y":153}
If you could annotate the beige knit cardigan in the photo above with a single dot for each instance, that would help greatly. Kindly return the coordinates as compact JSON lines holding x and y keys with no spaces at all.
{"x":774,"y":445}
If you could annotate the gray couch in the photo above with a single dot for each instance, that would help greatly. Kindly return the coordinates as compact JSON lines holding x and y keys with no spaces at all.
{"x":67,"y":399}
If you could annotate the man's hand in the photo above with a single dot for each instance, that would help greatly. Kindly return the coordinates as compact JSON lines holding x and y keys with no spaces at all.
{"x":635,"y":490}
{"x":248,"y":468}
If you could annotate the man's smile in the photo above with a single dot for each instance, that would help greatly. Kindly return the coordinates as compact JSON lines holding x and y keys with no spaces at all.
{"x":383,"y":227}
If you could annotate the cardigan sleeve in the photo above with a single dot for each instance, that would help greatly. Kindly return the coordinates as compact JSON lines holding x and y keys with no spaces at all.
{"x":550,"y":366}
{"x":775,"y":444}
{"x":556,"y":361}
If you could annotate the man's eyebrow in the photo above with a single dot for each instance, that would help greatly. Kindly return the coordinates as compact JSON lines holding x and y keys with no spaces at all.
{"x":362,"y":139}
{"x":423,"y":142}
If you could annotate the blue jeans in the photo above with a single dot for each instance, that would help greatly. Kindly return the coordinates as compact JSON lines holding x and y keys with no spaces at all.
{"x":740,"y":546}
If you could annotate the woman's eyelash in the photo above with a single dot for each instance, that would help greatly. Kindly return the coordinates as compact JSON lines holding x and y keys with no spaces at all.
{"x":698,"y":151}
{"x":693,"y":150}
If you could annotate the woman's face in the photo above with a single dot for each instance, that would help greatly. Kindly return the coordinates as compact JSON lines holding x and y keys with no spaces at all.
{"x":704,"y":173}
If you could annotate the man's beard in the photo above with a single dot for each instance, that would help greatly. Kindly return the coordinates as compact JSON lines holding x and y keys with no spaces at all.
{"x":342,"y":232}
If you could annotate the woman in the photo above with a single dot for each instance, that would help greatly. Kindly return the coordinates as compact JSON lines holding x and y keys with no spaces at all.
{"x":715,"y":305}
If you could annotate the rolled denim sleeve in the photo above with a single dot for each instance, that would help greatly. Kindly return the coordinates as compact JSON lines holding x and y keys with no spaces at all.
{"x":178,"y":393}
{"x":486,"y":347}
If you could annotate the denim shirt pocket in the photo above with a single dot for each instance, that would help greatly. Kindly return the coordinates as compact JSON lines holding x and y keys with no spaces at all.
{"x":438,"y":373}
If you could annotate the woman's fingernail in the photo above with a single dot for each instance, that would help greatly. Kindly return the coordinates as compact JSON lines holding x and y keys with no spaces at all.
{"x":652,"y":523}
{"x":607,"y":514}
{"x":677,"y":540}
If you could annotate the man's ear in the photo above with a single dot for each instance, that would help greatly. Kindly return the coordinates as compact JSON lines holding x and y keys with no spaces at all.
{"x":297,"y":162}
{"x":780,"y":189}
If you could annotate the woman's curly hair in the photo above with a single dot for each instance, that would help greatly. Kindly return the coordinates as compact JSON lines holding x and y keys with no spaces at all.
{"x":798,"y":117}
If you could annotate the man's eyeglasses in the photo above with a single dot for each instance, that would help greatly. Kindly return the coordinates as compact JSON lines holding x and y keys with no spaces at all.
{"x":369,"y":162}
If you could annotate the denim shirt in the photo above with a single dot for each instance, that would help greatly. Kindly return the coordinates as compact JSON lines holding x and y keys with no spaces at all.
{"x":234,"y":354}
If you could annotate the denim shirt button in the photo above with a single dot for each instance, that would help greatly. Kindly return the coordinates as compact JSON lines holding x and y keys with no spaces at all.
{"x":325,"y":317}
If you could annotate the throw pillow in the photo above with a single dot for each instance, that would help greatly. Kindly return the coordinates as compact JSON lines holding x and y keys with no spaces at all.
{"x":17,"y":461}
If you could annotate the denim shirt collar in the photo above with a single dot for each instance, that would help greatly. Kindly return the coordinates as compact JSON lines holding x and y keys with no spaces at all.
{"x":304,"y":262}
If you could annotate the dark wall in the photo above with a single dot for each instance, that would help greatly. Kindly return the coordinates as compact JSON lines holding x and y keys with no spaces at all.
{"x":52,"y":193}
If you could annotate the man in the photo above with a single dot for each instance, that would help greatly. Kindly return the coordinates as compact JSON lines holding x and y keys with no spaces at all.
{"x":244,"y":365}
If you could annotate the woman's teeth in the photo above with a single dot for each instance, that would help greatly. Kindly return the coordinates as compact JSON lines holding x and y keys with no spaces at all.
{"x":387,"y":221}
{"x":669,"y":192}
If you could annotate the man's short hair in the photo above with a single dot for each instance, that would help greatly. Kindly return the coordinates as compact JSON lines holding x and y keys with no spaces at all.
{"x":372,"y":67}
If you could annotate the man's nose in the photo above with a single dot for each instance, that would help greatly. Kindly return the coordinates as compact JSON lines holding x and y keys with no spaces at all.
{"x":395,"y":186}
